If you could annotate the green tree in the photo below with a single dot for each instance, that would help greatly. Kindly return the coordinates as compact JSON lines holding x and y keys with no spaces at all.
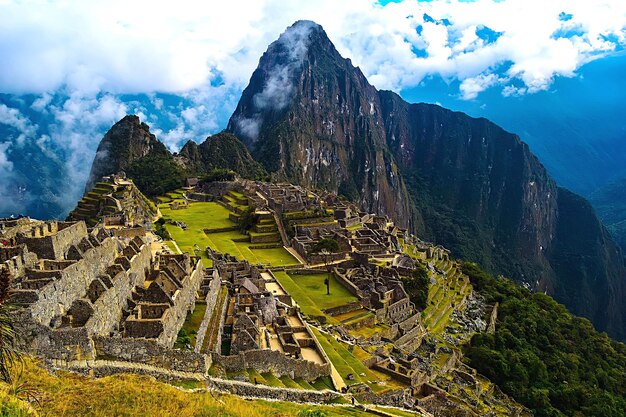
{"x":326,"y":248}
{"x":416,"y":286}
{"x":247,"y":219}
{"x":156,"y":175}
{"x":547,"y":359}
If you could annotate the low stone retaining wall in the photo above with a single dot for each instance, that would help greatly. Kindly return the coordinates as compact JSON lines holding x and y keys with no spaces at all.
{"x":346,"y":308}
{"x":308,"y":220}
{"x":307,"y":271}
{"x":102,"y":368}
{"x":398,"y":398}
{"x":268,"y":246}
{"x":246,"y":389}
{"x":270,"y":238}
{"x":148,"y":352}
{"x":363,"y":322}
{"x":272,"y":361}
{"x":202,"y":197}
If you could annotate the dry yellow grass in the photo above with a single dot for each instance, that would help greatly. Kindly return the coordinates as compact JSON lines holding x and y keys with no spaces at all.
{"x":64,"y":394}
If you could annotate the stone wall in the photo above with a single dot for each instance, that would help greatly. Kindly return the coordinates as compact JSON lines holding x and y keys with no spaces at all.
{"x":18,"y":259}
{"x":151,"y":353}
{"x":62,"y":344}
{"x":411,"y":340}
{"x":109,"y":306}
{"x":57,"y":297}
{"x":343,"y":309}
{"x":272,"y":361}
{"x":52,"y":240}
{"x":246,"y":389}
{"x":397,"y":398}
{"x":348,"y":284}
{"x":493,"y":318}
{"x":210,"y":299}
{"x":102,"y":368}
{"x":130,"y":232}
{"x":268,"y":238}
{"x":410,"y":323}
{"x":220,"y":327}
{"x":184,"y":302}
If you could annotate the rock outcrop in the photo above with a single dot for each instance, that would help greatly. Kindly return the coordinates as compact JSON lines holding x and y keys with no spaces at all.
{"x":311,"y":118}
{"x":126,"y":142}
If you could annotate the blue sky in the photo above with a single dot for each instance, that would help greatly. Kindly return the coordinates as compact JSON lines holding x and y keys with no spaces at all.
{"x":550,"y":71}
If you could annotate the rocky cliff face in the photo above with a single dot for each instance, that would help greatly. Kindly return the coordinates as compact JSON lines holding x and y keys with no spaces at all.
{"x":126,"y":142}
{"x":312,"y":118}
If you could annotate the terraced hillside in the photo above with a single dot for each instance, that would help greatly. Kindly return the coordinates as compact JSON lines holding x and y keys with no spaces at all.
{"x":352,"y":337}
{"x":116,"y":198}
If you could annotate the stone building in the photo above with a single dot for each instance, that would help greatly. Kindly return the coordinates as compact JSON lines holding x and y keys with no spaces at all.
{"x":166,"y":297}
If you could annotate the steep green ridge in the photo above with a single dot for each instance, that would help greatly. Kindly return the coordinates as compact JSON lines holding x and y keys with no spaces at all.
{"x":222,"y":150}
{"x":455,"y":180}
{"x":545,"y":357}
{"x":610,"y":203}
{"x":129,"y":146}
{"x":126,"y":142}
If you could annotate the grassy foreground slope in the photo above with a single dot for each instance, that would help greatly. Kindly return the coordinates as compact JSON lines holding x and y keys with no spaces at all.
{"x":68,"y":395}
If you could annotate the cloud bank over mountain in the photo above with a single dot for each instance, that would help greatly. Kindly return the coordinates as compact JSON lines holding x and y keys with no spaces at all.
{"x":74,"y":68}
{"x":143,"y":46}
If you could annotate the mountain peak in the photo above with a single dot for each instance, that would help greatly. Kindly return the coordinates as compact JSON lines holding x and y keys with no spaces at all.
{"x":276,"y":80}
{"x":128,"y":140}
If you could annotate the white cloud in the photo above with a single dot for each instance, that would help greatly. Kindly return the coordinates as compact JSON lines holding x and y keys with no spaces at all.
{"x":79,"y":57}
{"x":146,"y":46}
{"x":14,"y":118}
{"x":471,"y":87}
{"x":78,"y":127}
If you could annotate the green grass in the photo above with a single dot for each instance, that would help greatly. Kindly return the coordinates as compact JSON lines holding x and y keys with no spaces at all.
{"x":309,"y":292}
{"x":289,"y":383}
{"x":193,"y":321}
{"x":223,"y":242}
{"x":271,"y":380}
{"x":210,"y":338}
{"x":368,"y":332}
{"x":199,"y":216}
{"x":323,"y":383}
{"x":439,"y":309}
{"x":346,"y":363}
{"x":395,"y":412}
{"x":304,"y":384}
{"x":254,"y":375}
{"x":71,"y":395}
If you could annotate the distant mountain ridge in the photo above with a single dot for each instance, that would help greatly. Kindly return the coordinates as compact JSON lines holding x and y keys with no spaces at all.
{"x":610,"y":203}
{"x":222,"y":150}
{"x":312,"y":118}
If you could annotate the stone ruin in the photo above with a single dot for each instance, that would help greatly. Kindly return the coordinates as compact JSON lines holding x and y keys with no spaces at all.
{"x":85,"y":294}
{"x":261,"y":317}
{"x":114,"y":202}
